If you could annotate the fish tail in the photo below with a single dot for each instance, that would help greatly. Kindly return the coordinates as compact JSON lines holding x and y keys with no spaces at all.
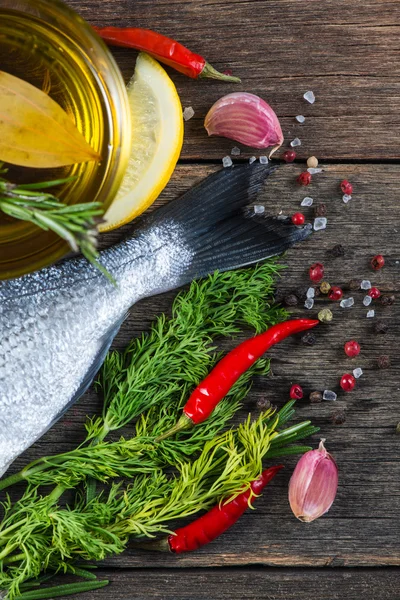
{"x":220,"y":233}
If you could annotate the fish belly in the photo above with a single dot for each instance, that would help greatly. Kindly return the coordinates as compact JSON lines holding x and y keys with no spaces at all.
{"x":47,"y":347}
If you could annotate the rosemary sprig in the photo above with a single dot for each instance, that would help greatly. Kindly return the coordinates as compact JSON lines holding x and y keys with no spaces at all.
{"x":76,"y":224}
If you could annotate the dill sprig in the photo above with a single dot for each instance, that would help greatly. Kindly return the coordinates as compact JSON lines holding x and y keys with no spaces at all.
{"x":127,"y":458}
{"x":76,"y":224}
{"x":36,"y":532}
{"x":218,"y":306}
{"x":160,"y":369}
{"x":146,"y":485}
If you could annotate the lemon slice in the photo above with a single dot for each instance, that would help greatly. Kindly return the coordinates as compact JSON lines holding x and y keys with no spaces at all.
{"x":157,"y":134}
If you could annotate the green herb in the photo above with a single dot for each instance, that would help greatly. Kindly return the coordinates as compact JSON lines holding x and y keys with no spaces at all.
{"x":144,"y":388}
{"x":41,"y":532}
{"x":76,"y":224}
{"x":217,"y":306}
{"x":63,"y":590}
{"x":136,"y":380}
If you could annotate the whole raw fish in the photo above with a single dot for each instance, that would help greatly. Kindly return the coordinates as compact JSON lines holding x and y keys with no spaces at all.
{"x":56,"y":325}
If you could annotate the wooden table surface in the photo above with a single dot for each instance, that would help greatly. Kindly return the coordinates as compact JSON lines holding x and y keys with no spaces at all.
{"x":347,"y":52}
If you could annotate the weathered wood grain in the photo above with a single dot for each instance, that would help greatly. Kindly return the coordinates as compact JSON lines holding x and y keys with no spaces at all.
{"x":346,"y":52}
{"x":250,"y":584}
{"x":362,"y":527}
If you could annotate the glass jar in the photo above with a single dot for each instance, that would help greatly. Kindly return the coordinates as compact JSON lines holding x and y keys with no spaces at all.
{"x":48,"y":45}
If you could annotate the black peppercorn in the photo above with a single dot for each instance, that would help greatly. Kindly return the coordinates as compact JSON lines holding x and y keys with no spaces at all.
{"x":279,"y":295}
{"x":337,"y":251}
{"x":301,"y":293}
{"x":381,"y":327}
{"x":309,"y":338}
{"x":320,"y":210}
{"x":263,"y":404}
{"x":354,"y":284}
{"x":338,"y":417}
{"x":315,"y":397}
{"x":383,"y":361}
{"x":388,"y":299}
{"x":291,"y":300}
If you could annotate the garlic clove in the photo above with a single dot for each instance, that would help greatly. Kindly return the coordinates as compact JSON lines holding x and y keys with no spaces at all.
{"x":245,"y":118}
{"x":313,"y":485}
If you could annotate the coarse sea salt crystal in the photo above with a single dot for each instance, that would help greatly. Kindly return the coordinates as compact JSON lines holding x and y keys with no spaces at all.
{"x":314,"y":170}
{"x":370,"y":314}
{"x":300,"y":118}
{"x":310,"y":292}
{"x":309,"y":303}
{"x":320,"y":223}
{"x":259,"y":209}
{"x":295,"y":142}
{"x":235,"y":151}
{"x":365,"y":284}
{"x":252,"y":159}
{"x":227,"y":161}
{"x":263,"y":160}
{"x":188,"y":113}
{"x":347,"y":302}
{"x":346,"y":198}
{"x":307,"y":201}
{"x":309,"y":96}
{"x":367,"y":300}
{"x":329,"y":395}
{"x":357,"y":372}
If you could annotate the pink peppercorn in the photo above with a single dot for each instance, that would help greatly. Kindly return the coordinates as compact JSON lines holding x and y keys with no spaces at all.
{"x":346,"y":187}
{"x":289,"y":156}
{"x":304,"y":178}
{"x":352,"y":348}
{"x":374,"y":293}
{"x":316,"y":272}
{"x":296,"y":392}
{"x":347,"y":382}
{"x":335,"y":293}
{"x":298,"y":219}
{"x":377,"y":262}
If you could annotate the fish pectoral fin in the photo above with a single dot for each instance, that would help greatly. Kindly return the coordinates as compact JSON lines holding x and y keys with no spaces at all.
{"x":105,"y":342}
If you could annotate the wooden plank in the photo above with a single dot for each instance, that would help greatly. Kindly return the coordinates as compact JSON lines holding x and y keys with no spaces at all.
{"x":346,"y":52}
{"x":249,"y":584}
{"x":363,"y":527}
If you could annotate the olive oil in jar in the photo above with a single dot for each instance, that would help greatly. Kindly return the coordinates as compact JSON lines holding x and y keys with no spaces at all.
{"x":41,"y":52}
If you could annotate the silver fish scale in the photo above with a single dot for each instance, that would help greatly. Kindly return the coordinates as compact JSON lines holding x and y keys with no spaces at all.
{"x":54,"y":323}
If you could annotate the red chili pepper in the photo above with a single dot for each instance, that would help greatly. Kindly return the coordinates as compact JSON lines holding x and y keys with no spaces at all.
{"x":211,"y":525}
{"x":217,"y":384}
{"x":164,"y":49}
